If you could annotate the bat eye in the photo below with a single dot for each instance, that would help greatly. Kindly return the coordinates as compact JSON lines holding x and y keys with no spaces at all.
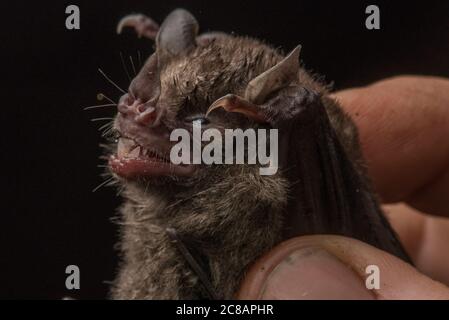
{"x":196,"y":120}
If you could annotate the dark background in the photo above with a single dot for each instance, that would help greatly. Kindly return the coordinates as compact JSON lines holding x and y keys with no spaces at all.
{"x":50,"y":217}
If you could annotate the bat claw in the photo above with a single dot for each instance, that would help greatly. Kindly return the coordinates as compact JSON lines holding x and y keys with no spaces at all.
{"x":234,"y":103}
{"x":223,"y":102}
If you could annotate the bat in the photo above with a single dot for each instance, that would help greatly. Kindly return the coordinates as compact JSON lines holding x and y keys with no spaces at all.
{"x":190,"y":231}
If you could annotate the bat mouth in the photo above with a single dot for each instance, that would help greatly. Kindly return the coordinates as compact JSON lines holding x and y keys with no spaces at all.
{"x":132,"y":160}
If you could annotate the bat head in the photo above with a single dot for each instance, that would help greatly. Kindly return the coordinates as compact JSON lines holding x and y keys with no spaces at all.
{"x":174,"y":89}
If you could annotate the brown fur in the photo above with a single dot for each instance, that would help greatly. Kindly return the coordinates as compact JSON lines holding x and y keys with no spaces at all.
{"x":229,"y":215}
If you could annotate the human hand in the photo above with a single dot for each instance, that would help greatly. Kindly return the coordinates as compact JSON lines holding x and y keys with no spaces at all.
{"x":404,"y":132}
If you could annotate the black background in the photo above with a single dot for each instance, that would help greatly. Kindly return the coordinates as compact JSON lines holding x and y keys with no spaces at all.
{"x":50,"y":217}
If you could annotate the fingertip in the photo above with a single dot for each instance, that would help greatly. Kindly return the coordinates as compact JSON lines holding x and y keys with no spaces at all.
{"x":335,"y":267}
{"x":299,"y":270}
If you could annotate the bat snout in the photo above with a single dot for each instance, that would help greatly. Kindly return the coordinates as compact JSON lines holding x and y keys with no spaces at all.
{"x":143,"y":113}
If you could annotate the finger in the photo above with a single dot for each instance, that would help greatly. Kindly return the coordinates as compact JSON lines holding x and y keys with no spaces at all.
{"x":409,"y":224}
{"x":334,"y":267}
{"x":424,"y":237}
{"x":404,"y":130}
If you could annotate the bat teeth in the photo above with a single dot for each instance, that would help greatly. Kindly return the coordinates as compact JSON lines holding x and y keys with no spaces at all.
{"x":125,"y":146}
{"x":146,"y":152}
{"x":128,"y":148}
{"x":135,"y":152}
{"x":154,"y":154}
{"x":150,"y":153}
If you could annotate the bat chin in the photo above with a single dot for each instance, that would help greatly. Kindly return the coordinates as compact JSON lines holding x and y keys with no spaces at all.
{"x":133,"y":161}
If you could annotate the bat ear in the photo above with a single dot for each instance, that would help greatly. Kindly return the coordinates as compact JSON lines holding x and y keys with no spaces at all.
{"x":177,"y":33}
{"x":275,"y":78}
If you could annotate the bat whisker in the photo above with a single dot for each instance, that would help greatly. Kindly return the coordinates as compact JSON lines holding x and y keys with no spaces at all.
{"x":106,"y":132}
{"x":100,"y":106}
{"x":101,"y":119}
{"x":106,"y":174}
{"x":132,"y":64}
{"x":139,"y":58}
{"x":119,"y":191}
{"x":105,"y":126}
{"x":110,"y":81}
{"x":102,"y":184}
{"x":124,"y":66}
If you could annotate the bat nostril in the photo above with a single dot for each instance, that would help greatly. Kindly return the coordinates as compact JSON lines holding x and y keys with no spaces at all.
{"x":141,"y":108}
{"x":146,"y":115}
{"x":126,"y":104}
{"x":123,"y":108}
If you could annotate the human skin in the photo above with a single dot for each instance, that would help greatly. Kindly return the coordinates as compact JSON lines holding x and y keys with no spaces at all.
{"x":404,"y":130}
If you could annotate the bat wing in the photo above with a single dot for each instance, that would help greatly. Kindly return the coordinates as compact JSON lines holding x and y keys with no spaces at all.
{"x":329,"y":194}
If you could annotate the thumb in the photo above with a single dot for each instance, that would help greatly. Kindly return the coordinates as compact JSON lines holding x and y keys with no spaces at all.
{"x":335,"y":267}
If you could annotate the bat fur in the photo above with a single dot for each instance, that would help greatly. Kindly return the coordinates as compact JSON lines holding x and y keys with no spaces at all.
{"x":228,"y":215}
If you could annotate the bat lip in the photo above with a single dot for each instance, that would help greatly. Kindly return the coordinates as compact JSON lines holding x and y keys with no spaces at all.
{"x":132,"y":160}
{"x":133,"y":168}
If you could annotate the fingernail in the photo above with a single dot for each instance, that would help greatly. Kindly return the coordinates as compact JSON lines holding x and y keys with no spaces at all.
{"x":313,"y":273}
